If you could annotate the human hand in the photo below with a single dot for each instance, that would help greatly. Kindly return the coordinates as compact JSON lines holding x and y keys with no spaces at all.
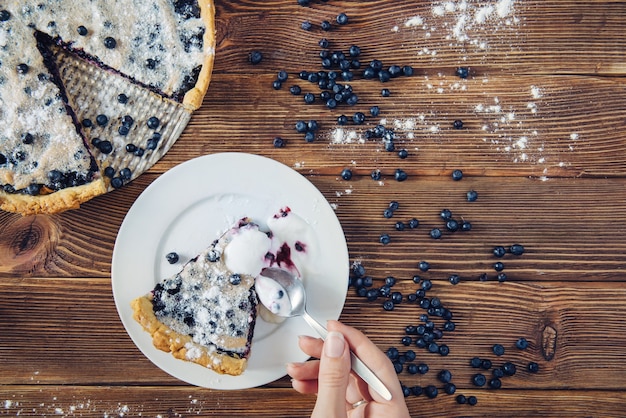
{"x":341,"y":394}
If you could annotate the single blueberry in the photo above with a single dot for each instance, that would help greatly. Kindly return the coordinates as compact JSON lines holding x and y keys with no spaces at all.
{"x":400,"y":175}
{"x":346,"y":174}
{"x":279,"y":142}
{"x":153,"y":122}
{"x":255,"y":57}
{"x":457,"y":124}
{"x":479,"y":379}
{"x":462,"y":72}
{"x":385,"y":239}
{"x":521,"y":343}
{"x":499,"y":251}
{"x":82,"y":31}
{"x":533,"y":367}
{"x":517,"y":249}
{"x":342,"y":18}
{"x":454,"y":279}
{"x":472,"y":196}
{"x":172,"y":257}
{"x":498,"y":349}
{"x":495,"y":383}
{"x":457,"y":175}
{"x":110,"y":43}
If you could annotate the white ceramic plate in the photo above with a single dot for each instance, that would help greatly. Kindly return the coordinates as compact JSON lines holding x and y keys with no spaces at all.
{"x":187,"y":208}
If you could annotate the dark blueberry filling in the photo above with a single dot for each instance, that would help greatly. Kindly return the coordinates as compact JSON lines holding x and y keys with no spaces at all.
{"x":187,"y":8}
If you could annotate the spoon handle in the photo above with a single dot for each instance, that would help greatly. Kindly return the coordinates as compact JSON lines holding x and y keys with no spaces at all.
{"x":358,"y":366}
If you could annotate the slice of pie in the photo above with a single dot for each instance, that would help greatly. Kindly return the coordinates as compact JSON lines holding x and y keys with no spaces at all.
{"x":93,"y":92}
{"x":206,"y":313}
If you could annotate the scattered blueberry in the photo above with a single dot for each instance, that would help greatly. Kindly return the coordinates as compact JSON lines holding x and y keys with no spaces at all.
{"x":457,"y":175}
{"x":472,"y":400}
{"x":342,"y":18}
{"x":457,"y":124}
{"x":472,"y":195}
{"x":255,"y":57}
{"x":306,"y":25}
{"x":521,"y":343}
{"x":509,"y":368}
{"x":385,"y":239}
{"x":172,"y":258}
{"x":517,"y":249}
{"x":499,"y":251}
{"x":462,"y":72}
{"x":326,"y":26}
{"x":431,"y":391}
{"x":385,"y":92}
{"x":4,"y":15}
{"x":346,"y":174}
{"x":435,"y":233}
{"x":533,"y":367}
{"x":495,"y":383}
{"x":400,"y":175}
{"x":498,"y":349}
{"x":279,"y":142}
{"x":461,"y":399}
{"x":479,"y":379}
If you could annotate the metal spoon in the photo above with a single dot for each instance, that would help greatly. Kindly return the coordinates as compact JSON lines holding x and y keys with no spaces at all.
{"x":284,"y":295}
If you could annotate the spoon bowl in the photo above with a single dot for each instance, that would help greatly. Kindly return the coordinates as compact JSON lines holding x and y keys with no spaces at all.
{"x":284,"y":295}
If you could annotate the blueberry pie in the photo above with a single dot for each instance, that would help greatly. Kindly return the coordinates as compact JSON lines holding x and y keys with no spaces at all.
{"x":93,"y":93}
{"x":206,"y":312}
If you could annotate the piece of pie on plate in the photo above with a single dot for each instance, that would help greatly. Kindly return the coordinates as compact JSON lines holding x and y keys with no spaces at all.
{"x":206,"y":313}
{"x":94,"y":92}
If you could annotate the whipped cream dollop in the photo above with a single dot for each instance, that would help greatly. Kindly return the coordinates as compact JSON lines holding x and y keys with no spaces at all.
{"x":289,"y":244}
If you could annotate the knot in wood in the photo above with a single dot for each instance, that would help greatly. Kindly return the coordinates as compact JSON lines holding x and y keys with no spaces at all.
{"x":26,"y":243}
{"x":548,"y":342}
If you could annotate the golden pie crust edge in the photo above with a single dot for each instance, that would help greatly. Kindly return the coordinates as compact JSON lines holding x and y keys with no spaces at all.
{"x":170,"y":341}
{"x":194,"y":97}
{"x":59,"y":201}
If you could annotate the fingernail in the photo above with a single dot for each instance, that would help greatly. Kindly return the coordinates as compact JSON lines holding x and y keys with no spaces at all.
{"x":334,"y":344}
{"x":294,"y":365}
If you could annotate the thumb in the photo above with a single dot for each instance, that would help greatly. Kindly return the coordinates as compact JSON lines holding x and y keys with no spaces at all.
{"x":333,"y":377}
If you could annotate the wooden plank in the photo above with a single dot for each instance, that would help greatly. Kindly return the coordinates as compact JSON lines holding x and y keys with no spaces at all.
{"x":168,"y":401}
{"x":536,"y":37}
{"x":571,"y":228}
{"x":571,"y":330}
{"x":526,"y":125}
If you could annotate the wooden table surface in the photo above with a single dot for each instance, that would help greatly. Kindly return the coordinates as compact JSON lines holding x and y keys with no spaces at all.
{"x":543,"y":143}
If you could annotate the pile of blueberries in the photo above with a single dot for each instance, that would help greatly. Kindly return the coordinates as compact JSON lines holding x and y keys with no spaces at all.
{"x":434,"y":323}
{"x":332,"y":81}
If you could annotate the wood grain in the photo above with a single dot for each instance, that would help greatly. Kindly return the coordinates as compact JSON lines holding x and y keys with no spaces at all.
{"x":543,"y":143}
